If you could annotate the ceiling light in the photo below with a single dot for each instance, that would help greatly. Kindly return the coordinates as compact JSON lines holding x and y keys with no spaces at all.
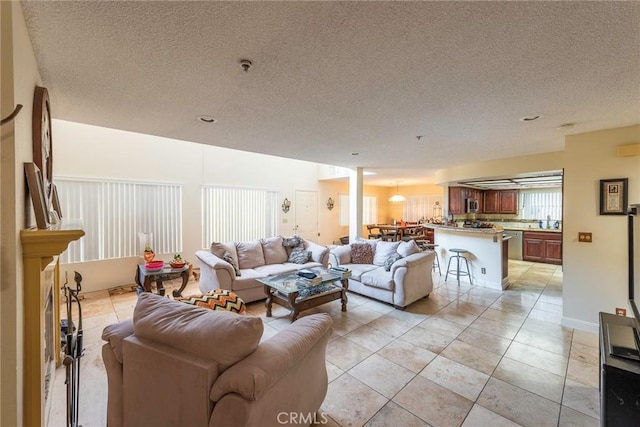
{"x":207,"y":119}
{"x":529,"y":118}
{"x":397,"y":198}
{"x":565,"y":126}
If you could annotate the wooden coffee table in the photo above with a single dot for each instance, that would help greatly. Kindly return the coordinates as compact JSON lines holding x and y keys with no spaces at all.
{"x":297,"y":294}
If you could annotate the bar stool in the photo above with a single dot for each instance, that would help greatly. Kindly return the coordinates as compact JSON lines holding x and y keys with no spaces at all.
{"x":424,"y":245}
{"x":459,"y":254}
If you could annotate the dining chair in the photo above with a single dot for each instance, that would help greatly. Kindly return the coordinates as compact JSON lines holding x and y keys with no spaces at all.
{"x":372,"y":234}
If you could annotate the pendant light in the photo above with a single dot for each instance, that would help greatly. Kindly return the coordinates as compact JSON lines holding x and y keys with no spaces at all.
{"x":397,"y":198}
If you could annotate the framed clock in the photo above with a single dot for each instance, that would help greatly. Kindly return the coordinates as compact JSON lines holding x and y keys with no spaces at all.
{"x":42,"y":140}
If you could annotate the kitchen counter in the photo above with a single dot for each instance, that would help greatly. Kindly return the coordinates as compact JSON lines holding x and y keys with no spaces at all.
{"x":463,"y":229}
{"x":488,"y":250}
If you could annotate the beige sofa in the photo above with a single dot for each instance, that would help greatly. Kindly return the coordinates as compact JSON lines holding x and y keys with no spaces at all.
{"x":407,"y":280}
{"x":254,"y":260}
{"x":175,"y":364}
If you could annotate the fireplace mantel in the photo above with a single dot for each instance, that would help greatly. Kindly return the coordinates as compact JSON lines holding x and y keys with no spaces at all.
{"x":40,"y":248}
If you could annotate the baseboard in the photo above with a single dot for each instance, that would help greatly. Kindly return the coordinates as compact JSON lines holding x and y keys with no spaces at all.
{"x":581,"y":325}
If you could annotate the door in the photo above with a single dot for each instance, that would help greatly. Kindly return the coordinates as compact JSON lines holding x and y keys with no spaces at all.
{"x":306,"y":209}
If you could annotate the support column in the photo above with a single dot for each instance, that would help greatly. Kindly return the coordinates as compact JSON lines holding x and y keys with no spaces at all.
{"x":356,"y":193}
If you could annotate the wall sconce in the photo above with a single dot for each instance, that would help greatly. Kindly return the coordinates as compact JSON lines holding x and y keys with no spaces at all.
{"x":286,"y":205}
{"x":330,"y":203}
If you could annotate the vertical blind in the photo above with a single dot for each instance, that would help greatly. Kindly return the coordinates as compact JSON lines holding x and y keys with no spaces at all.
{"x":421,"y":207}
{"x":369,"y":209}
{"x":233,"y":214}
{"x":540,"y":203}
{"x":112,"y":213}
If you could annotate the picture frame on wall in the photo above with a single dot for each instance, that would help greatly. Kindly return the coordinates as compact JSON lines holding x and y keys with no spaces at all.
{"x":38,"y":198}
{"x":614,"y":196}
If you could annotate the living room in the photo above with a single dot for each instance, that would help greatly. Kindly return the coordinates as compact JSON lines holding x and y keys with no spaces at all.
{"x":594,"y":275}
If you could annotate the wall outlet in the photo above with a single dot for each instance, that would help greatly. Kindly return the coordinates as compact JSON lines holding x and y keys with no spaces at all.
{"x":483,"y":270}
{"x":621,"y":311}
{"x":584,"y":237}
{"x":285,"y":220}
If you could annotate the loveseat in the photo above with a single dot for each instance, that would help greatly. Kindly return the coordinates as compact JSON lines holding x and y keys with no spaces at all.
{"x":236,"y":266}
{"x":176,"y":364}
{"x":397,"y":273}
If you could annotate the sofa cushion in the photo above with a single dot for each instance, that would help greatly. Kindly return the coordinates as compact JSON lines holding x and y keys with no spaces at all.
{"x":361,"y":253}
{"x":378,"y":278}
{"x":299,"y":255}
{"x":218,"y":249}
{"x":274,"y":251}
{"x":250,"y":254}
{"x":357,"y":270}
{"x":383,"y":251}
{"x":273,"y":269}
{"x":199,"y":331}
{"x":389,"y":262}
{"x":226,"y":256}
{"x":292,"y":242}
{"x":218,"y":299}
{"x":408,"y":248}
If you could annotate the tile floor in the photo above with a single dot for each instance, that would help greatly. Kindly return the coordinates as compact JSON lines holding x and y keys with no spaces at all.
{"x":466,"y":356}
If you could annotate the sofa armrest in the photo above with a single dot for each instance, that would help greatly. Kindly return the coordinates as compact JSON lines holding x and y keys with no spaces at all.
{"x":319,"y":253}
{"x":115,"y":333}
{"x":274,"y":358}
{"x":215,"y":273}
{"x":340,"y":255}
{"x":412,"y":260}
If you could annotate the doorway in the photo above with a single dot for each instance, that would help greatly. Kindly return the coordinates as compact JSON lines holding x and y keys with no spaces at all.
{"x":306,"y":215}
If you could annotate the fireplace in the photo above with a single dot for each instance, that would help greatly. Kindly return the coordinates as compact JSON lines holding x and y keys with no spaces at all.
{"x":41,"y":335}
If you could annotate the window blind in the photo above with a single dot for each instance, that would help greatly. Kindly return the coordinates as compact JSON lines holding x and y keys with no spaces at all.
{"x":235,"y":214}
{"x":540,"y":203}
{"x":112,"y":213}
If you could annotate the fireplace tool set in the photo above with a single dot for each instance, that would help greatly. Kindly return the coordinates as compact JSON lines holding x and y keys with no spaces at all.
{"x":73,"y":349}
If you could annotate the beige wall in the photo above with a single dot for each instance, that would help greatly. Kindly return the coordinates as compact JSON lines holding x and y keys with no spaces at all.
{"x":19,"y":76}
{"x":501,"y":167}
{"x":595,"y":274}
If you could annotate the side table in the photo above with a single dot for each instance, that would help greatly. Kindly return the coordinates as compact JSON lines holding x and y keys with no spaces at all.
{"x":144,"y":278}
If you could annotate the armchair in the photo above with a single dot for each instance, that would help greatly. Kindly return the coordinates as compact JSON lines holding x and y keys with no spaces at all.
{"x":176,"y":364}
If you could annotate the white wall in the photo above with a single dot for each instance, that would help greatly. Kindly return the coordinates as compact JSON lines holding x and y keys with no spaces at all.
{"x":595,"y":274}
{"x":19,"y":76}
{"x":89,"y":151}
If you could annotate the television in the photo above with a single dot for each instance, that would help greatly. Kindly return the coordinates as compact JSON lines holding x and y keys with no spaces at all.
{"x":624,"y":340}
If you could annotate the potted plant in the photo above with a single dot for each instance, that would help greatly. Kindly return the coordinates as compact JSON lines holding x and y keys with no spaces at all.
{"x":148,"y":254}
{"x":177,"y":261}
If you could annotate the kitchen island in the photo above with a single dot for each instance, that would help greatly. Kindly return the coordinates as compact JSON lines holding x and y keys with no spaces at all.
{"x":488,"y":250}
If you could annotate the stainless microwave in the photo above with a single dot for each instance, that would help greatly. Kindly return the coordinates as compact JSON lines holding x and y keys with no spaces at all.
{"x":472,"y":206}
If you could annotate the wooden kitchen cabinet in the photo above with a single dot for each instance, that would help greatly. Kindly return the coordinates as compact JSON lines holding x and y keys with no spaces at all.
{"x":540,"y":246}
{"x":456,"y":200}
{"x":500,"y":201}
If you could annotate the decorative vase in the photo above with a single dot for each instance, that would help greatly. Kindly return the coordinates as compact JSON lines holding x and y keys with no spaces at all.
{"x":149,"y":255}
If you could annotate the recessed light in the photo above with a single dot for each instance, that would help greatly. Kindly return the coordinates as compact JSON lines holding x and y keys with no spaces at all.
{"x":355,"y":153}
{"x":207,"y":119}
{"x":529,"y":118}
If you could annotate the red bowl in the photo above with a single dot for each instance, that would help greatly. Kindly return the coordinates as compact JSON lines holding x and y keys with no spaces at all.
{"x":177,"y":264}
{"x":155,"y":264}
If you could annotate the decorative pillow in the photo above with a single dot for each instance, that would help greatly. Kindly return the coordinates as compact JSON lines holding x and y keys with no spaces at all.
{"x":293,"y":241}
{"x":250,"y":254}
{"x":408,"y":248}
{"x":389,"y":262}
{"x":361,"y":253}
{"x":218,"y":299}
{"x":218,"y":249}
{"x":299,"y":255}
{"x":383,"y":251}
{"x":229,"y":258}
{"x":372,"y":242}
{"x":274,"y":251}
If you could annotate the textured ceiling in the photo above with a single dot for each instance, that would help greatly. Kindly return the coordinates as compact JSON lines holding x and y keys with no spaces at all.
{"x":332,"y":78}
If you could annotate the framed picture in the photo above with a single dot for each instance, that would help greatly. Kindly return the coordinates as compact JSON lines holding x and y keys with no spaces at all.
{"x":38,"y":198}
{"x":55,"y":201}
{"x":614,"y":196}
